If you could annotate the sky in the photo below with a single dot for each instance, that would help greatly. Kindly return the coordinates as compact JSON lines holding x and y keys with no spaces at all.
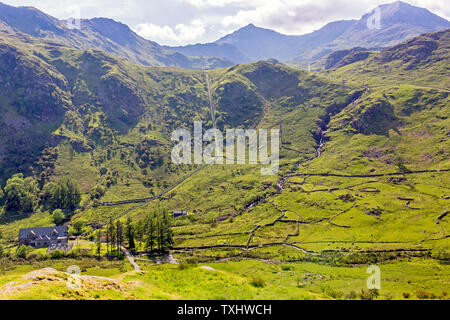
{"x":181,"y":22}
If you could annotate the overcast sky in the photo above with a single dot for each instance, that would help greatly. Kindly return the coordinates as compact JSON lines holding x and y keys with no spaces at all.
{"x":180,"y":22}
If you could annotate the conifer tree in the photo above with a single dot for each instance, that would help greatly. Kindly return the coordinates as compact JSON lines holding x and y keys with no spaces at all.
{"x":119,"y":235}
{"x":99,"y":243}
{"x":150,"y":232}
{"x":130,"y":234}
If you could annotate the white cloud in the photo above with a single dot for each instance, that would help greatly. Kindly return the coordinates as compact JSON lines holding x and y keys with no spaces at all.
{"x":167,"y":35}
{"x":214,"y":3}
{"x":296,"y":16}
{"x":302,"y":16}
{"x":156,"y":33}
{"x":191,"y":32}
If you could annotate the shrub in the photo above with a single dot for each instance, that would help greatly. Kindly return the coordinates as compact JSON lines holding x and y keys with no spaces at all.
{"x":257,"y":282}
{"x":374,"y":211}
{"x":351,"y":295}
{"x":56,"y":254}
{"x":335,"y":294}
{"x":78,"y":227}
{"x":97,"y":192}
{"x":369,"y":294}
{"x":286,"y":267}
{"x":388,"y":296}
{"x":21,"y":252}
{"x":406,"y":295}
{"x":183,"y":266}
{"x":58,"y":216}
{"x":422,"y":294}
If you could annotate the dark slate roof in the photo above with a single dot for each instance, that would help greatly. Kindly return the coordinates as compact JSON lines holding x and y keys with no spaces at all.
{"x":43,"y":232}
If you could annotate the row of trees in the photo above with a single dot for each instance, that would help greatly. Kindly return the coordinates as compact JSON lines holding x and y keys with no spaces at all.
{"x":154,"y":232}
{"x":21,"y":194}
{"x":157,"y":231}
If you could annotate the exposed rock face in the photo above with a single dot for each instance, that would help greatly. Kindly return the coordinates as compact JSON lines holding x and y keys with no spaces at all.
{"x":375,"y":118}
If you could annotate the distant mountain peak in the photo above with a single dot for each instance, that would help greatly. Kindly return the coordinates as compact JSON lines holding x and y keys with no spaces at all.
{"x":402,"y":13}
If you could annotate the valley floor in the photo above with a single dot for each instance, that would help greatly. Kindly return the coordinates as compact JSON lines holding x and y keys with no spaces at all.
{"x":246,"y":279}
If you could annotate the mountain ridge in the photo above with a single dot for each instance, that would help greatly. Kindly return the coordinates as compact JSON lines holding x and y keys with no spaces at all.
{"x":99,"y":33}
{"x":400,"y":21}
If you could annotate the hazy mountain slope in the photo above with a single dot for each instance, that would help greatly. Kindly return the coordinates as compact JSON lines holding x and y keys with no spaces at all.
{"x":399,"y":21}
{"x":252,"y":43}
{"x":222,"y":50}
{"x":258,"y":43}
{"x":98,"y":33}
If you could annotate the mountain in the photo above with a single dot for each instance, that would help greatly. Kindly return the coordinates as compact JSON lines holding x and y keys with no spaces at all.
{"x":340,"y":58}
{"x":98,"y":33}
{"x":399,"y":22}
{"x":252,"y":43}
{"x":258,"y":43}
{"x":53,"y":90}
{"x":221,"y":50}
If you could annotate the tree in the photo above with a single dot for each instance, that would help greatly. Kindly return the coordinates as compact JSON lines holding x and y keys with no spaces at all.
{"x":150,"y":232}
{"x":167,"y":230}
{"x":110,"y":237}
{"x":78,"y":227}
{"x":98,"y":241}
{"x":160,"y":234}
{"x":119,"y":235}
{"x":139,"y":231}
{"x":20,"y":193}
{"x":48,"y":193}
{"x":58,"y":217}
{"x":97,"y":192}
{"x":64,"y":194}
{"x":158,"y":230}
{"x":1,"y":196}
{"x":400,"y":163}
{"x":130,"y":234}
{"x":21,"y":252}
